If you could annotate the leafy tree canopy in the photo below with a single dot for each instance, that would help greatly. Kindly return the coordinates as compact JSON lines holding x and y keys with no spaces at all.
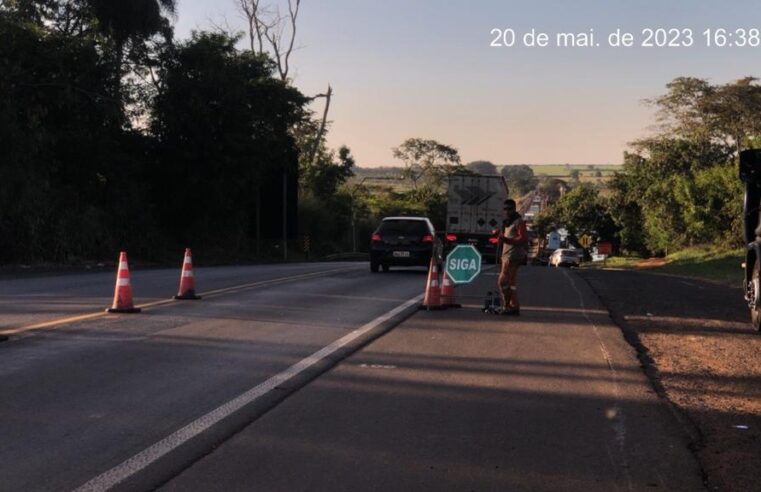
{"x":428,"y":160}
{"x":484,"y":168}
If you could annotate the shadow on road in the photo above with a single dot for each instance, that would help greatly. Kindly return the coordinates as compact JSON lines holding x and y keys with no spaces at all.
{"x":701,"y":352}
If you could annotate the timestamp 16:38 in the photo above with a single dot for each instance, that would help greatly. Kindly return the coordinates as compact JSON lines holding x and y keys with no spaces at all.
{"x":726,"y":37}
{"x":685,"y":38}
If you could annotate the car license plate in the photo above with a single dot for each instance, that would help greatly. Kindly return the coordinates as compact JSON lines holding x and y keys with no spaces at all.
{"x":401,"y":254}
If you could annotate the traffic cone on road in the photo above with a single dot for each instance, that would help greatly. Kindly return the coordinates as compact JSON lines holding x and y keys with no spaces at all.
{"x":187,"y":283}
{"x":447,"y":292}
{"x":123,"y":291}
{"x":432,"y":299}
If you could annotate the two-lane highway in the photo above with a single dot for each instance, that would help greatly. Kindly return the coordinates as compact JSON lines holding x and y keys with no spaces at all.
{"x":449,"y":400}
{"x":81,"y":398}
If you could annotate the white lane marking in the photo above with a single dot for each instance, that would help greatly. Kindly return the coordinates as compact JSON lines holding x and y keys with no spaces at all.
{"x":615,"y":414}
{"x":149,"y":455}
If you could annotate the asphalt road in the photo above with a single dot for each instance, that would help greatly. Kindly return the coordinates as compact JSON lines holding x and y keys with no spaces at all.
{"x":220,"y":394}
{"x":80,"y":398}
{"x":459,"y":400}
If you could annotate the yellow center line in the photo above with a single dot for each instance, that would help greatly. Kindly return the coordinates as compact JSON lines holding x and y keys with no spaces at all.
{"x":164,"y":302}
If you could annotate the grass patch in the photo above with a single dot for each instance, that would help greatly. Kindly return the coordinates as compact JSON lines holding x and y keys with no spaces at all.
{"x":585,"y":171}
{"x":719,"y":265}
{"x":703,"y":262}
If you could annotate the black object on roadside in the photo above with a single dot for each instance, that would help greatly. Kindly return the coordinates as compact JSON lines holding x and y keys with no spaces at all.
{"x":492,"y":303}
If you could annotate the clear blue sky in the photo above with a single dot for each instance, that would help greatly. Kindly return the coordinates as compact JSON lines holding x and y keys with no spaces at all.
{"x":424,"y":68}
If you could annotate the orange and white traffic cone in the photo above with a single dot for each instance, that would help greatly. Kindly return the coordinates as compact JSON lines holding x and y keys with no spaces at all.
{"x":123,"y":291}
{"x":432,"y":299}
{"x":187,"y":283}
{"x":447,"y":292}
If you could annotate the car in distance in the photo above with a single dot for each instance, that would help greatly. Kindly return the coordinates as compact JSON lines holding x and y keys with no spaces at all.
{"x":565,"y":257}
{"x":404,"y":241}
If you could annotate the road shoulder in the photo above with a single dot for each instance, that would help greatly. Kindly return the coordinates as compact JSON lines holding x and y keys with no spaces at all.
{"x":700,"y":352}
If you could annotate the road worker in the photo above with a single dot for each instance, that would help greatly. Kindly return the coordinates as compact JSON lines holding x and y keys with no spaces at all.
{"x":514,"y":242}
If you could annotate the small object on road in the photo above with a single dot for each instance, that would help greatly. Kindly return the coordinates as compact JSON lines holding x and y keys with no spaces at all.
{"x":123,"y":291}
{"x":487,"y":302}
{"x":492,"y":303}
{"x":187,"y":281}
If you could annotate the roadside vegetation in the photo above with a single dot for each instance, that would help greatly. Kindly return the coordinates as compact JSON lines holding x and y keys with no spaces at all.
{"x":711,"y":263}
{"x":118,"y":135}
{"x":678,"y":189}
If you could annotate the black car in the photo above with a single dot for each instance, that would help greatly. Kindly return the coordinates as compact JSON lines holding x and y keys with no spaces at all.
{"x":404,"y":241}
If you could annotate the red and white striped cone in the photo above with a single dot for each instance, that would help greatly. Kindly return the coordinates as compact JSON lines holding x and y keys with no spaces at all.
{"x":123,"y":291}
{"x":432,"y":299}
{"x":187,"y":281}
{"x":447,"y":292}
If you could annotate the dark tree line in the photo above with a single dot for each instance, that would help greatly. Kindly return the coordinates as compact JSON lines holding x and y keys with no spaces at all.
{"x":115,"y":135}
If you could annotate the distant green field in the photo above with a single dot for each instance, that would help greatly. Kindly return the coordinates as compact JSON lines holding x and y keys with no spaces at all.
{"x":565,"y":170}
{"x":388,"y":177}
{"x":592,"y":173}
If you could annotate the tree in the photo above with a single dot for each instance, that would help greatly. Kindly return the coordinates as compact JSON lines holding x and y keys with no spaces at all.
{"x":127,"y":26}
{"x":520,"y":179}
{"x":271,"y":33}
{"x":583,"y":211}
{"x":265,"y":23}
{"x":711,"y":204}
{"x":484,"y":168}
{"x":576,"y":175}
{"x":693,"y":109}
{"x":429,"y":159}
{"x":324,"y":177}
{"x":223,"y":125}
{"x":72,"y":173}
{"x":683,"y":110}
{"x":552,"y":188}
{"x":735,"y":112}
{"x":625,"y":206}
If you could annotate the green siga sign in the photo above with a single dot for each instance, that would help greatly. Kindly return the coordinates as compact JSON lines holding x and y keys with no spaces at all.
{"x":463,"y":264}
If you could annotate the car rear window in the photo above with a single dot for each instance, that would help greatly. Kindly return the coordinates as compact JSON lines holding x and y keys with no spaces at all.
{"x":568,"y":252}
{"x":403,"y":227}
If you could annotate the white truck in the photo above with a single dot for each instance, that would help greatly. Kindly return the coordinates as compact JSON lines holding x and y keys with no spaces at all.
{"x":474,"y":211}
{"x":553,"y":241}
{"x":551,"y":244}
